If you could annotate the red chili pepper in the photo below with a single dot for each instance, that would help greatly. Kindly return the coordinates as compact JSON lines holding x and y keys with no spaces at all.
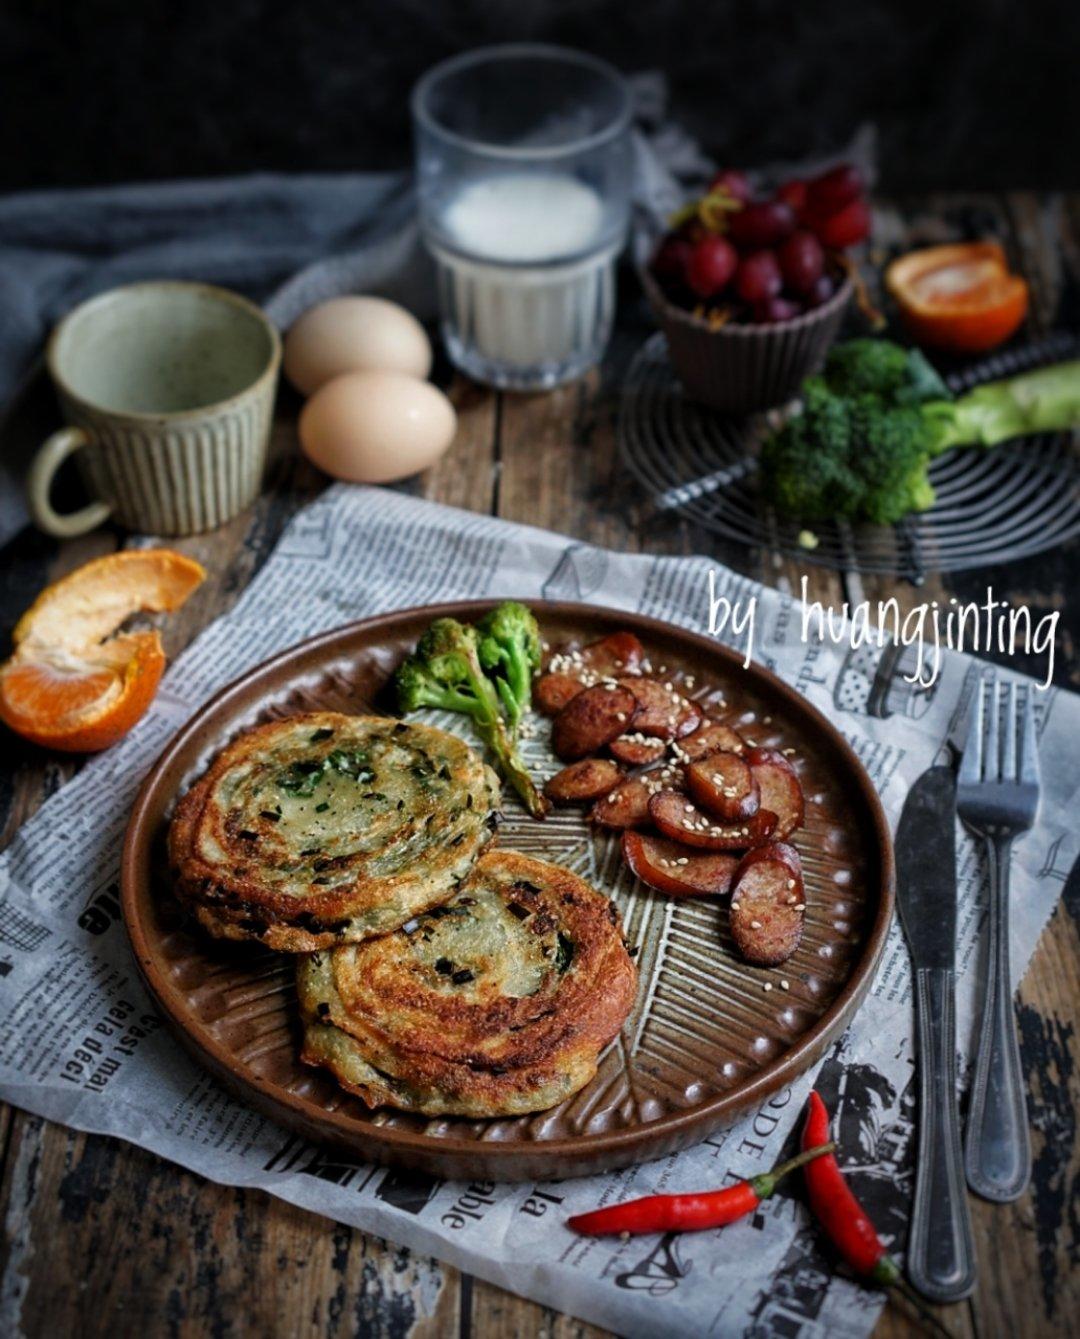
{"x":836,"y":1208}
{"x":690,"y":1213}
{"x":846,"y":1222}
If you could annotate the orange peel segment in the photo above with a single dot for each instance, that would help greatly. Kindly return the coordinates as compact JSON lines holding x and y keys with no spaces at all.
{"x":73,"y":686}
{"x":87,"y":605}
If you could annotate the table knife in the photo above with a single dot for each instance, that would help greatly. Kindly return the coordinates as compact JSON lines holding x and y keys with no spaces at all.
{"x":941,"y":1250}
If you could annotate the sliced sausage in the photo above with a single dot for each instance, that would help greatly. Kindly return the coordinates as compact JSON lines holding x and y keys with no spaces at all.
{"x":588,"y":779}
{"x":592,"y":719}
{"x":712,"y":737}
{"x":673,"y":868}
{"x":768,"y":905}
{"x":637,"y":750}
{"x":552,"y":692}
{"x":618,"y":653}
{"x":627,"y":806}
{"x":723,"y":784}
{"x":774,"y":850}
{"x":757,"y":756}
{"x":780,"y":789}
{"x":663,"y":712}
{"x":682,"y":821}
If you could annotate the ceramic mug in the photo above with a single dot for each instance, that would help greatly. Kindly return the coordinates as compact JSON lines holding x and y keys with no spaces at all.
{"x":168,"y":391}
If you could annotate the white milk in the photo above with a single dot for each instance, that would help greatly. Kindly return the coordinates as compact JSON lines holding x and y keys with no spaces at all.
{"x":523,"y":217}
{"x":527,"y":290}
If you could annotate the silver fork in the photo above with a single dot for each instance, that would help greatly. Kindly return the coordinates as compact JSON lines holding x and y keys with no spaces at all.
{"x":997,"y":795}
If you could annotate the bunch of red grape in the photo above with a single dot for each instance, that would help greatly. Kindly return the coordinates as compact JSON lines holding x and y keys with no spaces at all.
{"x":763,"y":260}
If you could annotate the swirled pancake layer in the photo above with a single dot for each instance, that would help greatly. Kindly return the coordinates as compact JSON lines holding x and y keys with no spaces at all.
{"x":494,"y":1004}
{"x":325,"y":829}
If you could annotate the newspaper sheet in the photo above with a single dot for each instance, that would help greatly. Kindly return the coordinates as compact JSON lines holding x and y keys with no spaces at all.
{"x":81,"y":1043}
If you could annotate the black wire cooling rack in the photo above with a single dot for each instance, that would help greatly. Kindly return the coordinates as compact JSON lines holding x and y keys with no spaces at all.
{"x":992,"y":506}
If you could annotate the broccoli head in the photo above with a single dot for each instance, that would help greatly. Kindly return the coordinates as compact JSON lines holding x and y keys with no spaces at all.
{"x":891,"y":457}
{"x":862,"y":445}
{"x":445,"y":673}
{"x":510,"y":652}
{"x":417,"y":687}
{"x":808,"y":463}
{"x":876,"y":417}
{"x":866,"y":365}
{"x":877,"y":367}
{"x":855,"y":457}
{"x":450,"y":650}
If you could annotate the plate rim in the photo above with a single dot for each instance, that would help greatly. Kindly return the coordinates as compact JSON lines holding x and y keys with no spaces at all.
{"x":388,"y":1141}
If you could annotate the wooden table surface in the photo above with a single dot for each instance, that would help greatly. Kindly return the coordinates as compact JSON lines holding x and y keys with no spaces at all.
{"x":102,"y":1238}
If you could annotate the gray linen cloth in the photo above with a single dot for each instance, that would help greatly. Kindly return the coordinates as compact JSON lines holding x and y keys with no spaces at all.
{"x":313,"y":235}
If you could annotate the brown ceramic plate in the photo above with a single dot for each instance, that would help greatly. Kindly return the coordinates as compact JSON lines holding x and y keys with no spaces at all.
{"x":704,"y":1042}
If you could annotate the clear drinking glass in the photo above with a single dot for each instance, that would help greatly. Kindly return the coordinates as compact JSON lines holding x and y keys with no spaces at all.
{"x":524,"y":172}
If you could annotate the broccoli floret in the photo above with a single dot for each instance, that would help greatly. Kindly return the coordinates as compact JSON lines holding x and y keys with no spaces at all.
{"x":862,"y":365}
{"x":417,"y":688}
{"x":808,"y":463}
{"x":877,"y":367}
{"x":510,"y":652}
{"x":446,"y":673}
{"x":873,"y":421}
{"x":449,"y":649}
{"x":854,"y":457}
{"x":891,"y":459}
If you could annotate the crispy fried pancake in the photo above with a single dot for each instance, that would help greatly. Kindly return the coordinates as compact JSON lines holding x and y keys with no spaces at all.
{"x":325,"y":829}
{"x":495,"y":1004}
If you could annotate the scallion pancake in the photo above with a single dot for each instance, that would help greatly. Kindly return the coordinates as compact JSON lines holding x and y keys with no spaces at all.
{"x":325,"y":829}
{"x":495,"y":1004}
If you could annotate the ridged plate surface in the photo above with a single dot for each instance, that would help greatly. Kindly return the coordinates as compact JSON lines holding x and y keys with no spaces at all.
{"x":705,"y":1040}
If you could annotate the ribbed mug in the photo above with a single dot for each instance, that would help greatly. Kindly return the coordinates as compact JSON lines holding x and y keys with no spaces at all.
{"x":168,"y":392}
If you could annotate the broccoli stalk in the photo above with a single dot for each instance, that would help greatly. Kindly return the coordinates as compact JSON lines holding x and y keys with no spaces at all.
{"x":1047,"y":400}
{"x":445,"y":673}
{"x":510,"y":653}
{"x":872,"y":422}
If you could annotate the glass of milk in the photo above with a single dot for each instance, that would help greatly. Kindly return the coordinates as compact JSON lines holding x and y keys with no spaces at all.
{"x":524,"y":173}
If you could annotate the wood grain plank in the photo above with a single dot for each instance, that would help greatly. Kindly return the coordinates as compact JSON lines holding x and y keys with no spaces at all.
{"x":557,"y":464}
{"x":467,"y":475}
{"x":143,"y":1247}
{"x":1034,"y":1234}
{"x":497,"y":1314}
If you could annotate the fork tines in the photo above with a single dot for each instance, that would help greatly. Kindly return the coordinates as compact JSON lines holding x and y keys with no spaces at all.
{"x":1001,"y":744}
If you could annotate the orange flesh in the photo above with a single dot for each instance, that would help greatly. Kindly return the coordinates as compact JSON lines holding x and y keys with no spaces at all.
{"x":945,"y":284}
{"x":36,"y":691}
{"x":81,"y":710}
{"x":961,"y":298}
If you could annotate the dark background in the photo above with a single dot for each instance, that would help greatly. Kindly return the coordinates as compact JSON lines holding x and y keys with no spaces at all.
{"x":967,"y":94}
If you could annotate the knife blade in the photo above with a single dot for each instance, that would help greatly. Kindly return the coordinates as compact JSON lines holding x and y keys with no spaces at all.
{"x":926,"y":869}
{"x":941,"y":1248}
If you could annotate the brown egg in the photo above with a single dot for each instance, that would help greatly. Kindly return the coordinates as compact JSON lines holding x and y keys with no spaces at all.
{"x":374,"y":427}
{"x":354,"y":334}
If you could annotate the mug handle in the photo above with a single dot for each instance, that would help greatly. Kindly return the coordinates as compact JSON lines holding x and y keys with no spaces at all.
{"x":43,"y":469}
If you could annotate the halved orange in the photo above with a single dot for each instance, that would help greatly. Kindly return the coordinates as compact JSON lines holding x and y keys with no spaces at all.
{"x":961,"y":297}
{"x":73,"y":686}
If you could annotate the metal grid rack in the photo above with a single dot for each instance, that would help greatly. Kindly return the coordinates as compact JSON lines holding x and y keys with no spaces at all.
{"x":992,"y":506}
